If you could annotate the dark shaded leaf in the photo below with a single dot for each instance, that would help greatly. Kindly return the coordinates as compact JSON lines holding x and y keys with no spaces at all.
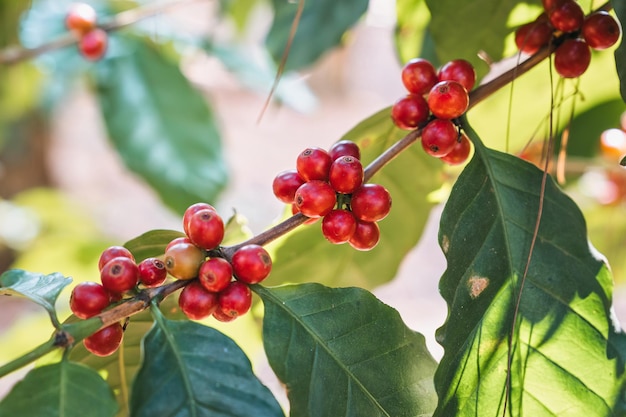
{"x":620,"y":53}
{"x":342,"y":352}
{"x":64,"y":389}
{"x":193,"y":370}
{"x":161,"y":126}
{"x":564,"y":359}
{"x":321,"y":28}
{"x":410,"y":179}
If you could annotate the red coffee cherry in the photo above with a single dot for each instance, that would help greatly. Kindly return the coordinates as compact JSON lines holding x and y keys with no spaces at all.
{"x":366,"y":236}
{"x":419,"y":76}
{"x":346,"y":174}
{"x":105,"y":341}
{"x":338,"y":226}
{"x":81,"y":18}
{"x":119,"y":275}
{"x":371,"y":203}
{"x":530,"y":37}
{"x":182,"y":239}
{"x":251,"y":264}
{"x":448,"y":100}
{"x":460,"y":151}
{"x":567,"y":16}
{"x":285,"y":185}
{"x":193,"y":209}
{"x":183,"y":260}
{"x":234,"y":301}
{"x":458,"y":70}
{"x":215,"y":274}
{"x":196,"y":302}
{"x":313,"y":164}
{"x":88,"y":299}
{"x":93,"y":44}
{"x":344,"y":148}
{"x":600,"y":30}
{"x":152,"y":272}
{"x":294,"y":210}
{"x":113,"y":252}
{"x":205,"y":229}
{"x":439,"y":137}
{"x":572,"y":58}
{"x":315,"y":199}
{"x":410,"y":111}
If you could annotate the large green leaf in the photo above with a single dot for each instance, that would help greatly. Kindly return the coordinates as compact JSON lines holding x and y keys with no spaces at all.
{"x":410,"y":178}
{"x":463,"y":29}
{"x":321,"y":27}
{"x":64,"y":389}
{"x":161,"y":126}
{"x":342,"y":352}
{"x":193,"y":370}
{"x":42,"y":289}
{"x":620,"y":53}
{"x":563,"y":358}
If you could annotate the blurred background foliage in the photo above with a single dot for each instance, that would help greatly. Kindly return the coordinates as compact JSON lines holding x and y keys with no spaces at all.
{"x":163,"y":125}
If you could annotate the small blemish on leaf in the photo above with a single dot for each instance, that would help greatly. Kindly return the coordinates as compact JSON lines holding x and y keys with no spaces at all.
{"x":476,"y":285}
{"x":445,"y":244}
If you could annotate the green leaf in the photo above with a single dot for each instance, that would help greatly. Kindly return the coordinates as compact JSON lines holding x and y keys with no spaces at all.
{"x":193,"y":370}
{"x":343,"y":352}
{"x":161,"y":126}
{"x":564,"y":359}
{"x":410,"y":178}
{"x":151,"y":244}
{"x":463,"y":29}
{"x":321,"y":27}
{"x":620,"y":52}
{"x":64,"y":389}
{"x":412,"y":19}
{"x":42,"y":289}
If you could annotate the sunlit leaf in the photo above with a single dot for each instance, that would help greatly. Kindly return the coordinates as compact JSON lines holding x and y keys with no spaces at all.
{"x":410,"y":178}
{"x":412,"y":21}
{"x":151,"y":243}
{"x":64,"y":389}
{"x":343,"y":352}
{"x":193,"y":370}
{"x":564,"y":359}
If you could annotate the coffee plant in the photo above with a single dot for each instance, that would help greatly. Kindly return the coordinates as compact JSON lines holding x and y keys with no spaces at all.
{"x":530,"y":329}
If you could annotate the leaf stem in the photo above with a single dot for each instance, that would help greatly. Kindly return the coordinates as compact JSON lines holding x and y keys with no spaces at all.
{"x":31,"y":356}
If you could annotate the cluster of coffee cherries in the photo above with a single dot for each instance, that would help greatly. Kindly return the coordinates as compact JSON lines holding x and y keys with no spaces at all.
{"x":92,"y":41}
{"x":217,"y":286}
{"x":329,"y":185}
{"x":599,"y":30}
{"x":435,"y":99}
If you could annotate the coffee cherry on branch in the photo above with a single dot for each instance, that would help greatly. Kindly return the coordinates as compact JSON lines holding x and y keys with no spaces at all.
{"x":371,"y":203}
{"x":600,"y":30}
{"x":191,"y":210}
{"x":295,"y":210}
{"x":315,"y":199}
{"x":344,"y":148}
{"x":530,"y":37}
{"x":346,"y":174}
{"x":410,"y":111}
{"x":206,"y":229}
{"x":215,"y":274}
{"x":93,"y":44}
{"x":439,"y":137}
{"x":285,"y":185}
{"x":105,"y":341}
{"x":196,"y":302}
{"x":338,"y":226}
{"x":183,"y":260}
{"x":313,"y":164}
{"x":176,"y":241}
{"x":459,"y":153}
{"x":119,"y":275}
{"x":152,"y":272}
{"x":458,"y":70}
{"x":113,"y":252}
{"x":234,"y":301}
{"x":448,"y":100}
{"x":419,"y":76}
{"x":572,"y":58}
{"x":88,"y":299}
{"x":567,"y":16}
{"x":366,"y":236}
{"x":81,"y":18}
{"x":251,"y":264}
